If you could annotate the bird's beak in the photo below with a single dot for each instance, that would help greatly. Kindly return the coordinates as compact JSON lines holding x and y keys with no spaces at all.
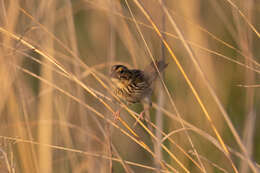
{"x":112,"y":74}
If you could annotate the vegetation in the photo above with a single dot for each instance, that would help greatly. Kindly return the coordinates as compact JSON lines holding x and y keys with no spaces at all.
{"x":57,"y":103}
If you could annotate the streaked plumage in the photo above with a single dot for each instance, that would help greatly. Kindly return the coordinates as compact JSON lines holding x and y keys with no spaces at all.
{"x":133,"y":85}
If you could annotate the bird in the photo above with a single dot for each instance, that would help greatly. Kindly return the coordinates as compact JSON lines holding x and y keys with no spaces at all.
{"x":135,"y":85}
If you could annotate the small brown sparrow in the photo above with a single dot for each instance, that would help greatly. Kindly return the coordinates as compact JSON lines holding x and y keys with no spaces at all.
{"x":135,"y":86}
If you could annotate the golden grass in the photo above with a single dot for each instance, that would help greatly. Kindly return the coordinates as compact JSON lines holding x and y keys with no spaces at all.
{"x":57,"y":100}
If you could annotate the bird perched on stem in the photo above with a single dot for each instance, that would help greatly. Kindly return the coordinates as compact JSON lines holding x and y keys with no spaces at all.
{"x":134,"y":85}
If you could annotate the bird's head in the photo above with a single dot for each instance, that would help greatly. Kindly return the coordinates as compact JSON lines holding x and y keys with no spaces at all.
{"x":120,"y":75}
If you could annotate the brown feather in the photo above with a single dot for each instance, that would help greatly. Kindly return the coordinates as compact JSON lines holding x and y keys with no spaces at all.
{"x":134,"y":85}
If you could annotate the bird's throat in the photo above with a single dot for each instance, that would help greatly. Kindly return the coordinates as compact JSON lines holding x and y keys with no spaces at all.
{"x":118,"y":83}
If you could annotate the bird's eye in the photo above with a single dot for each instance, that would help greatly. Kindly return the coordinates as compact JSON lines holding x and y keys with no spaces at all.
{"x":120,"y":70}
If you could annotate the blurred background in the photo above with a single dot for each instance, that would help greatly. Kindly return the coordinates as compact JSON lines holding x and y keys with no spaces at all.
{"x":57,"y":108}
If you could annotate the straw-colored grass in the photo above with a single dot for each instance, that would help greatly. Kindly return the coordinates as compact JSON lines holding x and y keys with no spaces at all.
{"x":57,"y":103}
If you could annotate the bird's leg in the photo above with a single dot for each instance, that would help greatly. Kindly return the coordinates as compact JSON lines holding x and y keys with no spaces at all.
{"x":146,"y":104}
{"x":140,"y":117}
{"x":117,"y":114}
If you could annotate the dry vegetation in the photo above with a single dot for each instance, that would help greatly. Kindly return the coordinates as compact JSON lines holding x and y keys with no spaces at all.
{"x":57,"y":102}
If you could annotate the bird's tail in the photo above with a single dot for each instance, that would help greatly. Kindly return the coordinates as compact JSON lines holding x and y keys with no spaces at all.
{"x":151,"y":71}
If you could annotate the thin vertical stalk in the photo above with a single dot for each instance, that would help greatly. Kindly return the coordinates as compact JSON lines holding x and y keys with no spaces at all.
{"x":161,"y":99}
{"x":245,"y":42}
{"x":45,"y":107}
{"x":111,"y":58}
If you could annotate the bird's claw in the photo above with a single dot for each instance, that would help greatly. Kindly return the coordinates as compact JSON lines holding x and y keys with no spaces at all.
{"x":140,"y":117}
{"x":116,"y":115}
